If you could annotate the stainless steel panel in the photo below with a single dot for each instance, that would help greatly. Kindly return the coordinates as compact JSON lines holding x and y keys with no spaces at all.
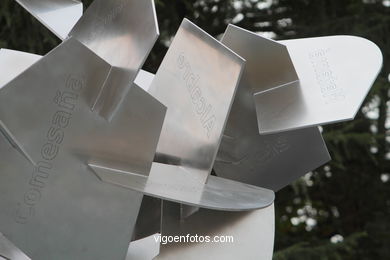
{"x":12,"y":63}
{"x":335,"y":74}
{"x":253,"y":233}
{"x":9,"y":251}
{"x":270,"y":161}
{"x":196,"y":81}
{"x":59,"y":209}
{"x":268,"y":64}
{"x":122,"y":33}
{"x":59,"y":16}
{"x":175,"y":183}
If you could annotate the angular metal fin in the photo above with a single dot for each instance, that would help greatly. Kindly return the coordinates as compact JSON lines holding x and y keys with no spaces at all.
{"x":59,"y":16}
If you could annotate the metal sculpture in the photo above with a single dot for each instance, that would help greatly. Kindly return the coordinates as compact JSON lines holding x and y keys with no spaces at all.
{"x":91,"y":133}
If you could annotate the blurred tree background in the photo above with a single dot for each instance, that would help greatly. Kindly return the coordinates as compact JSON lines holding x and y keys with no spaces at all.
{"x":340,"y":211}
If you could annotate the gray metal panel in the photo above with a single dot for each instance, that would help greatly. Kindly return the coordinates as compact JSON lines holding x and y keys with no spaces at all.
{"x":122,"y":33}
{"x":253,"y":233}
{"x":197,"y":81}
{"x":175,"y":183}
{"x":59,"y":16}
{"x":12,"y":63}
{"x":9,"y":251}
{"x":268,"y":63}
{"x":269,"y":161}
{"x":335,"y":75}
{"x":59,"y":210}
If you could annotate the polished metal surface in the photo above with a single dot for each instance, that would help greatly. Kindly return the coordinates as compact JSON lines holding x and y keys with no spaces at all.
{"x":175,"y":183}
{"x":9,"y":251}
{"x":197,"y":81}
{"x":12,"y":63}
{"x":59,"y":209}
{"x":335,"y":74}
{"x":253,"y":234}
{"x":59,"y":16}
{"x":198,"y":96}
{"x":268,"y":64}
{"x":270,"y":161}
{"x":122,"y":33}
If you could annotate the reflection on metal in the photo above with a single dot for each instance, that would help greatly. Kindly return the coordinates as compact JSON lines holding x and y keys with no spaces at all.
{"x":335,"y":74}
{"x":198,"y":96}
{"x":175,"y":184}
{"x":59,"y":16}
{"x":252,"y":232}
{"x":67,"y":135}
{"x":12,"y":63}
{"x":120,"y":32}
{"x":9,"y":251}
{"x":85,"y":117}
{"x":270,"y":161}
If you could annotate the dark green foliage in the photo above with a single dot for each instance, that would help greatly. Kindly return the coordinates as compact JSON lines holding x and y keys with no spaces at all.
{"x":346,"y":197}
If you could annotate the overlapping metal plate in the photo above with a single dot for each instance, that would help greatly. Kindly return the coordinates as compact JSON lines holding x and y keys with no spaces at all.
{"x":198,"y":96}
{"x":59,"y":16}
{"x":275,"y":160}
{"x":59,"y":199}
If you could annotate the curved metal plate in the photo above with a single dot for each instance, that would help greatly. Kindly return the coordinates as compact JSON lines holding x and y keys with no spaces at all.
{"x":335,"y":73}
{"x":59,"y":16}
{"x":175,"y":183}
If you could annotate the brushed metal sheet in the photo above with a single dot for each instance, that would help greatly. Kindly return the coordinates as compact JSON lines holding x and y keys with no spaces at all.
{"x":198,"y":96}
{"x":335,"y":74}
{"x":59,"y":16}
{"x":275,"y":160}
{"x":60,"y":201}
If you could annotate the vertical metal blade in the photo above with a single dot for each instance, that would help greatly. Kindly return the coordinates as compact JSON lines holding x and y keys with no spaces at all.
{"x":270,"y":161}
{"x":122,"y":33}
